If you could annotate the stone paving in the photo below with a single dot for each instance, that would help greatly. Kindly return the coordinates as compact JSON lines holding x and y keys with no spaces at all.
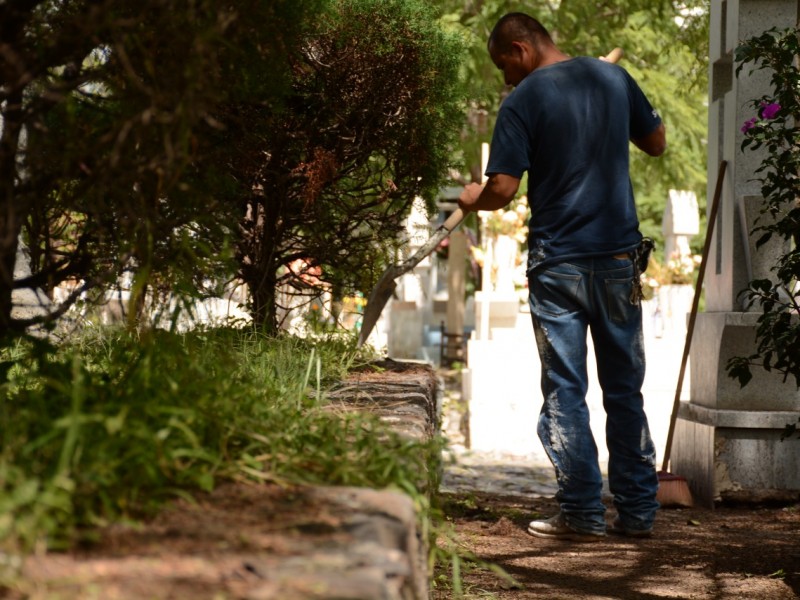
{"x":496,"y":473}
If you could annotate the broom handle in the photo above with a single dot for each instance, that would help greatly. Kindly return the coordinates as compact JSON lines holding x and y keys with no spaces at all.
{"x":698,"y":287}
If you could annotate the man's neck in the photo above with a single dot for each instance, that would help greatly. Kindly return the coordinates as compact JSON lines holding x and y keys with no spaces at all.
{"x":549,"y":55}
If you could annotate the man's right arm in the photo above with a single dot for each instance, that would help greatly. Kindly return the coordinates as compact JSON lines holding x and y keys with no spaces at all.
{"x":496,"y":194}
{"x":655,"y":143}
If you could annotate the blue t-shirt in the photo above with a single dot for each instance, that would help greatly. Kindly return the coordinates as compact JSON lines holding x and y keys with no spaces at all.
{"x":569,"y":125}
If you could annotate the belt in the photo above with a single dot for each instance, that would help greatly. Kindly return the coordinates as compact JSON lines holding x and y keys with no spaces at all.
{"x":622,"y":256}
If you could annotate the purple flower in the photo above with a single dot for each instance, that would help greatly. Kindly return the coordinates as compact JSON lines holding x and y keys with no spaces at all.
{"x":768,"y":111}
{"x":749,"y":124}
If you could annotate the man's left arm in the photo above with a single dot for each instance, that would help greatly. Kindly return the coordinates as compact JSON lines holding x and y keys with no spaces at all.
{"x":653,"y":144}
{"x":499,"y":190}
{"x":647,"y":129}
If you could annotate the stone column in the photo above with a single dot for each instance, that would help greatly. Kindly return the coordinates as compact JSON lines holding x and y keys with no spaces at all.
{"x":727,"y":438}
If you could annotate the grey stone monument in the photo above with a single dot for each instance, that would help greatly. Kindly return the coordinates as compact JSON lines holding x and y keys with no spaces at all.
{"x":727,"y":438}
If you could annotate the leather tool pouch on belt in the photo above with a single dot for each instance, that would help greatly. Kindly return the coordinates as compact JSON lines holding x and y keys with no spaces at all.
{"x":640,"y":257}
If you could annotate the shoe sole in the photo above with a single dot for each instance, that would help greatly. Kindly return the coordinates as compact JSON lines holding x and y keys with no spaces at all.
{"x":642,"y":535}
{"x":575,"y":536}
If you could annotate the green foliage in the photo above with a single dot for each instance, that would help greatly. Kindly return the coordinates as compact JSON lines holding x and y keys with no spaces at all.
{"x":773,"y":133}
{"x":113,"y":425}
{"x":107,"y":112}
{"x":374,"y":111}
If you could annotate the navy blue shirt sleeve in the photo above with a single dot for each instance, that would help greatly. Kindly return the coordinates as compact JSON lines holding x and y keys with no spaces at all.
{"x":510,"y":146}
{"x":644,"y":118}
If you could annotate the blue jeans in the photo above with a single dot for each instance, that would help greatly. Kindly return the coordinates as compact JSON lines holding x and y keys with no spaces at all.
{"x":567,"y":299}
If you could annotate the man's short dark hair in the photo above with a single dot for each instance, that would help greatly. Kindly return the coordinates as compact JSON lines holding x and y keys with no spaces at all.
{"x":517,"y":27}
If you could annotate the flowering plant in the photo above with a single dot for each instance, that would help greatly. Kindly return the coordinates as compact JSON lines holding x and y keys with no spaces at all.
{"x":677,"y":270}
{"x":774,"y":133}
{"x":680,"y":268}
{"x":766,"y":112}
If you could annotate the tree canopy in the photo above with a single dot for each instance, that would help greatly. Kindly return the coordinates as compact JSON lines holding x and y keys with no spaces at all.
{"x":324,"y":184}
{"x":279,"y":141}
{"x":105,"y":111}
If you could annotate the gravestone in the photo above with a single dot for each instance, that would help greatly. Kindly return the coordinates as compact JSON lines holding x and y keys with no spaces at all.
{"x":681,"y":221}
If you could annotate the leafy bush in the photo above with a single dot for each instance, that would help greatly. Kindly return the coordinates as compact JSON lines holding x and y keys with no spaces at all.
{"x":113,"y":425}
{"x":774,"y":131}
{"x":375,"y":110}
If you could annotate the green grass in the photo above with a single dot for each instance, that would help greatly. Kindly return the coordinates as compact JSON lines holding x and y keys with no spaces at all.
{"x":112,"y":425}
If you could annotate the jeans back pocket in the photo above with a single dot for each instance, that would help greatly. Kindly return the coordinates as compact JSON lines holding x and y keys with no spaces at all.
{"x":555,"y":293}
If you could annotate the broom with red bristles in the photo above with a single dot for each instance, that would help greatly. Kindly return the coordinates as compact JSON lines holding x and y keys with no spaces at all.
{"x":673,"y":490}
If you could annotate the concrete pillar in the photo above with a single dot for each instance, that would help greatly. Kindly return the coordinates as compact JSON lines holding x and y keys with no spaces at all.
{"x":727,"y":438}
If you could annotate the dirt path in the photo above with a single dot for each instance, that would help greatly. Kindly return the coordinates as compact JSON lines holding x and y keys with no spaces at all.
{"x":748,"y":553}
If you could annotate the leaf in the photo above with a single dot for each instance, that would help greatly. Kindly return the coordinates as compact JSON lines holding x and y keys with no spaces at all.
{"x":114,"y":424}
{"x":739,"y":368}
{"x":779,"y":574}
{"x":763,"y":239}
{"x":206,"y":481}
{"x":5,"y":367}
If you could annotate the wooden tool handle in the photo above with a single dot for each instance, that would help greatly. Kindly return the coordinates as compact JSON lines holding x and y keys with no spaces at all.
{"x":454,"y":219}
{"x":698,"y":288}
{"x":614,"y":55}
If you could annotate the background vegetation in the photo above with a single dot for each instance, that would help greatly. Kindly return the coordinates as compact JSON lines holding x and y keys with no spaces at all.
{"x":187,"y":144}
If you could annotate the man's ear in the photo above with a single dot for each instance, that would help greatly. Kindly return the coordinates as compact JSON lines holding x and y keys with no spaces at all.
{"x":524,"y":52}
{"x":520,"y":48}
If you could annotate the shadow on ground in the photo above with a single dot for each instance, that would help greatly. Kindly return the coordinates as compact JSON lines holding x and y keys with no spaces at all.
{"x":731,"y":552}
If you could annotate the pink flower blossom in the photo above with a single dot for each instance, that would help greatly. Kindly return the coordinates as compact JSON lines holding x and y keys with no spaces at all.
{"x":749,"y":124}
{"x":768,"y":111}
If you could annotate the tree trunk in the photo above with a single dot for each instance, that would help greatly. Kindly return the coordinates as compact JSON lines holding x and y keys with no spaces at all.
{"x":259,"y":260}
{"x":10,"y":218}
{"x":337,"y":302}
{"x":263,"y":295}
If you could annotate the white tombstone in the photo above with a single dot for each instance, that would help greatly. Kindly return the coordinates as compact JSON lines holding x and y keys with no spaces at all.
{"x":681,"y":221}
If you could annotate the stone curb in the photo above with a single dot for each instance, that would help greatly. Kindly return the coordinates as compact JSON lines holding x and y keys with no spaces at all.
{"x":368,"y":548}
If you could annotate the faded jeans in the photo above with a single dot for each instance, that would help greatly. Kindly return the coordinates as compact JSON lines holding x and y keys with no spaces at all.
{"x":567,"y":299}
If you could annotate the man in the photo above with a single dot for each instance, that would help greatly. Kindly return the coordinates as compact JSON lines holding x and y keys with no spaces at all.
{"x":568,"y":124}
